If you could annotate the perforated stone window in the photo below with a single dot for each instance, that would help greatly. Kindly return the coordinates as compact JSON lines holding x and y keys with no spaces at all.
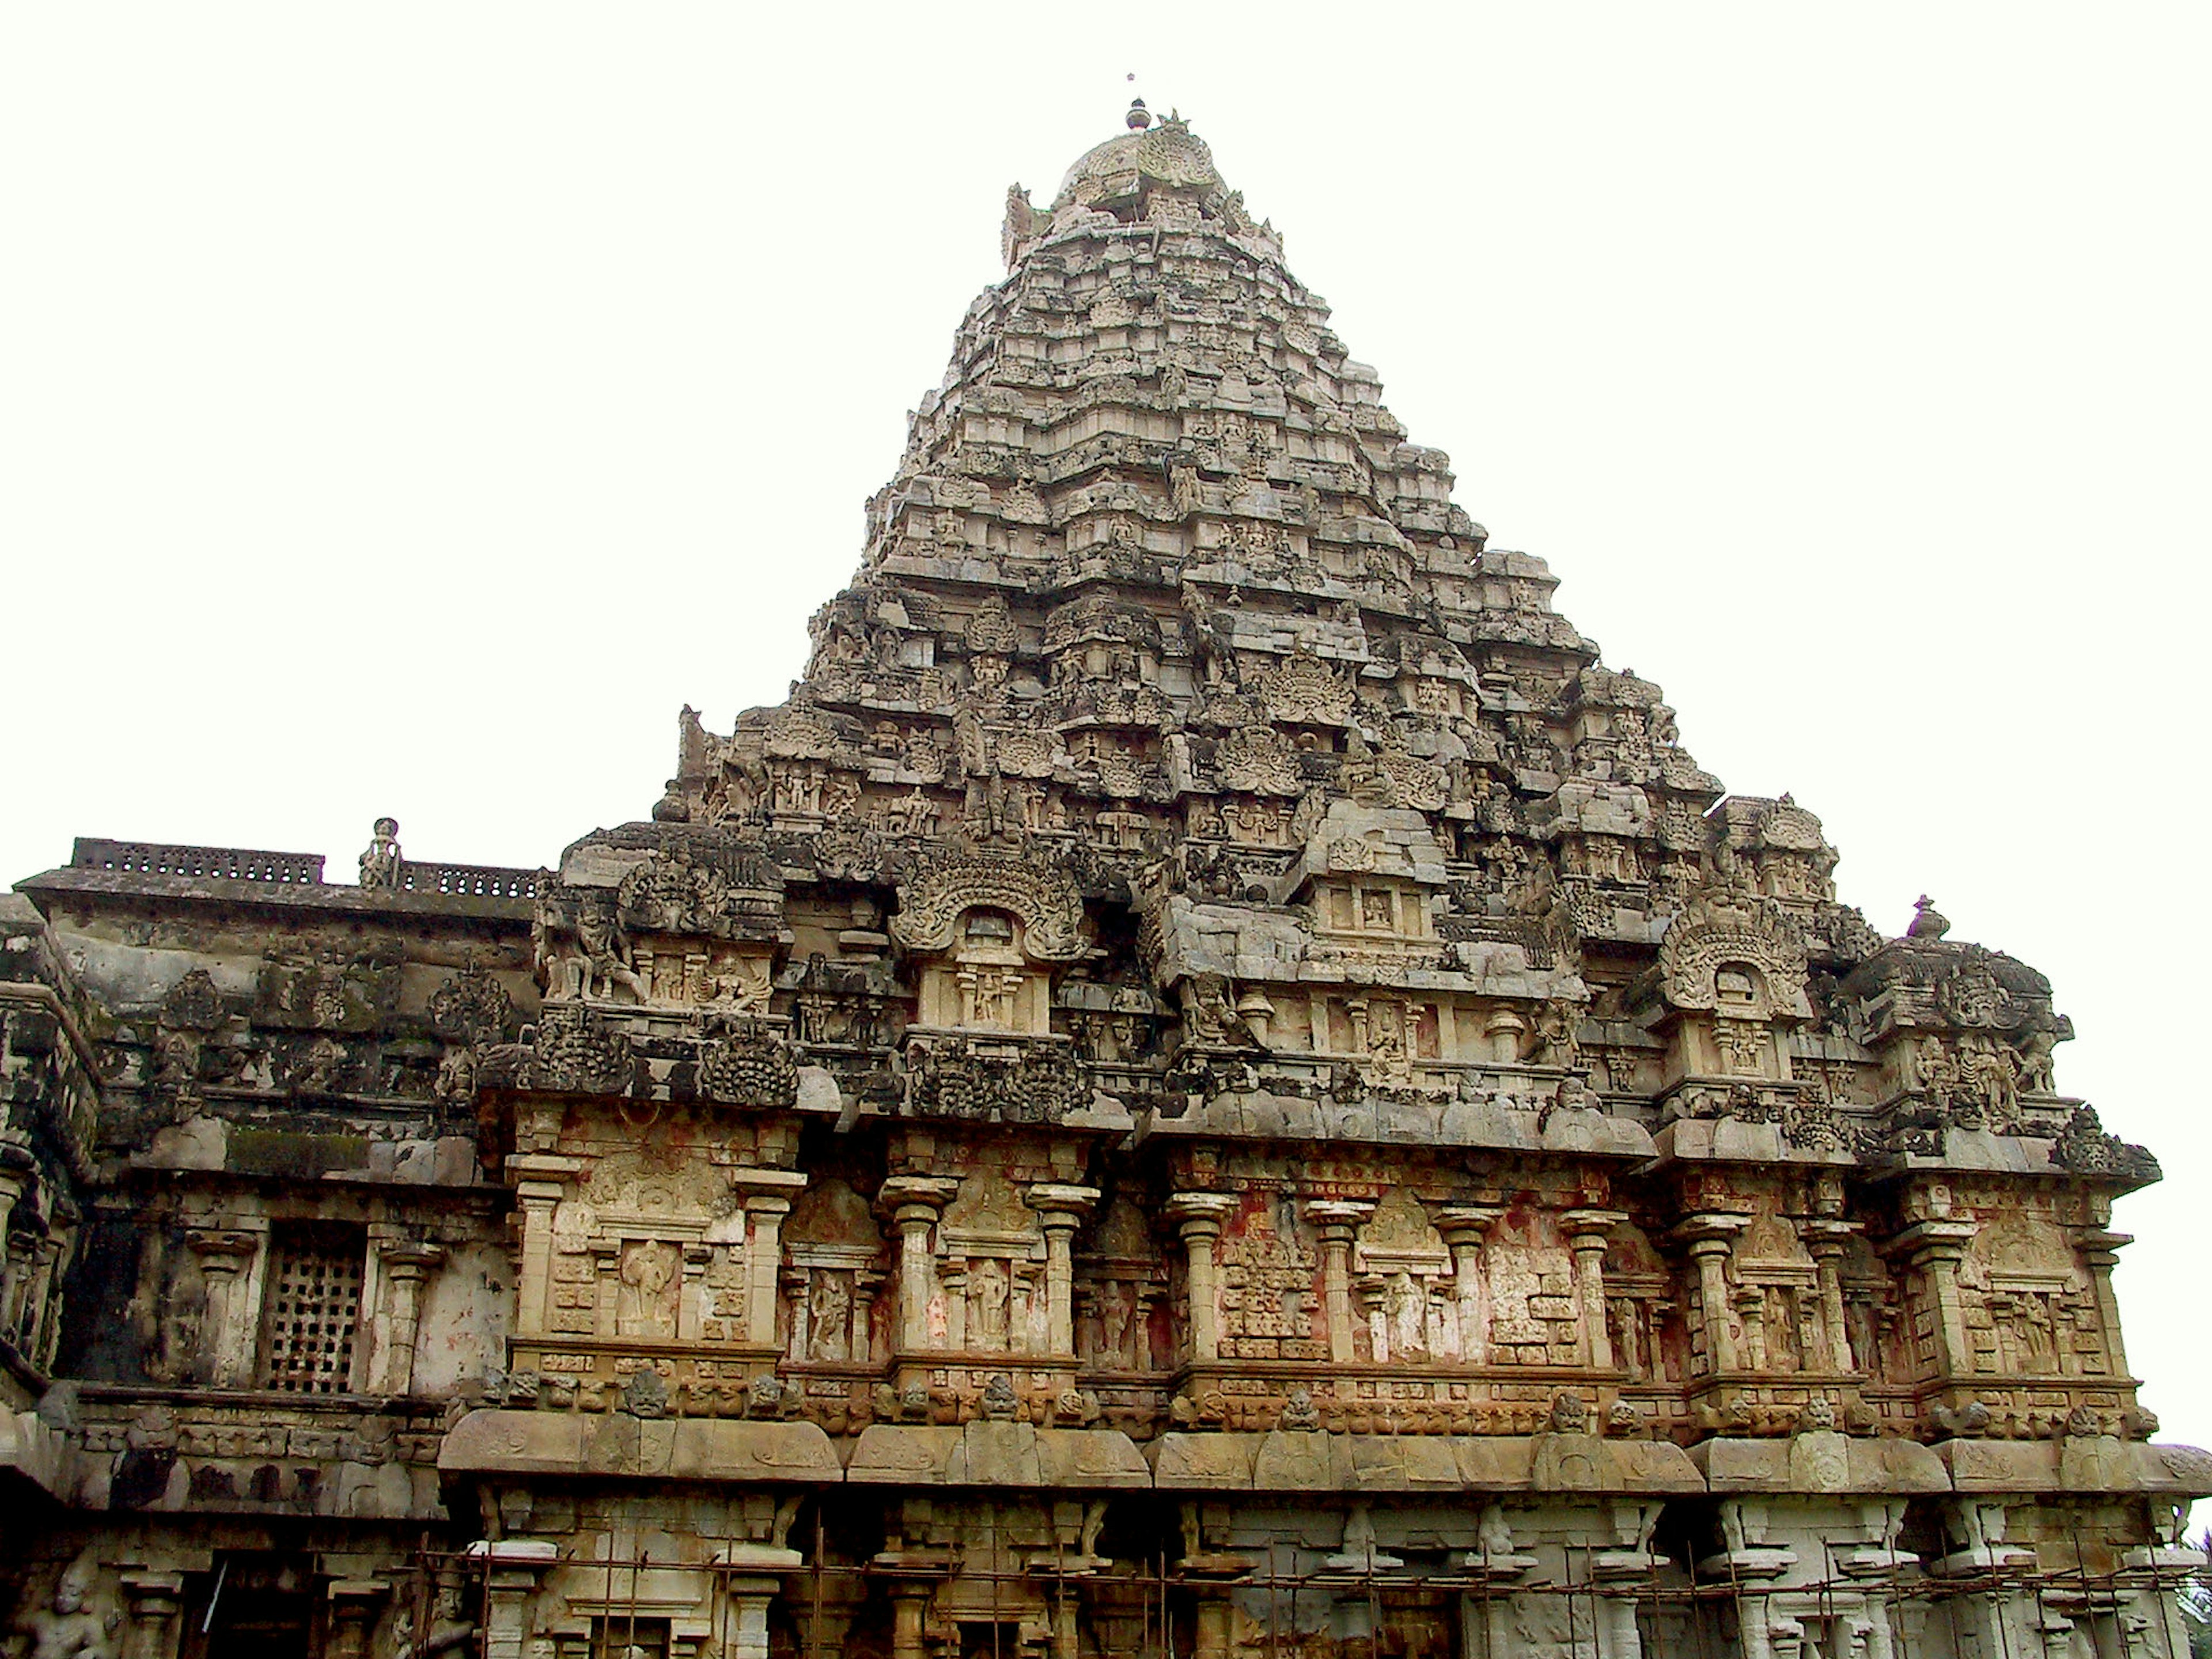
{"x":312,"y":1304}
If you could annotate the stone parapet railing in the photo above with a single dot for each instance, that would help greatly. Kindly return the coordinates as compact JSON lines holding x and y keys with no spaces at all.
{"x":292,"y":869}
{"x":217,"y":863}
{"x":481,"y":880}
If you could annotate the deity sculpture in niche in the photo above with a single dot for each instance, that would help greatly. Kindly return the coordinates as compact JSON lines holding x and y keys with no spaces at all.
{"x":1404,"y":1279}
{"x":1776,"y":1306}
{"x":993,"y":1252}
{"x":1119,"y":1281}
{"x":833,"y":1268}
{"x":2029,"y":1301}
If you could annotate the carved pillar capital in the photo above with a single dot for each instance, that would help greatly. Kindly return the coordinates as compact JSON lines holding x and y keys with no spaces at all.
{"x":410,"y":1260}
{"x":1337,"y":1218}
{"x":1200,"y":1215}
{"x":1587,"y":1230}
{"x":1710,"y":1232}
{"x":222,"y":1252}
{"x":1468,"y":1225}
{"x":902,"y":1192}
{"x":1058,"y":1205}
{"x":1929,"y":1242}
{"x":152,"y":1600}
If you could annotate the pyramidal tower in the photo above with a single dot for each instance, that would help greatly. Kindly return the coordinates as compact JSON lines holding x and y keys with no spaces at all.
{"x":1212,"y":1082}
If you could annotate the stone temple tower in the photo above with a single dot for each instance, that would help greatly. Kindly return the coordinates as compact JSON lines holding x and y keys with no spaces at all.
{"x":1212,"y":1084}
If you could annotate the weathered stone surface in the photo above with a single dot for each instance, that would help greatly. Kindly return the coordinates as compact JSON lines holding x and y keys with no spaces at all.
{"x":1209,"y":1054}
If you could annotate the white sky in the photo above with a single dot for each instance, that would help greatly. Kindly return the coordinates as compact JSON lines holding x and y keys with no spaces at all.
{"x":406,"y":408}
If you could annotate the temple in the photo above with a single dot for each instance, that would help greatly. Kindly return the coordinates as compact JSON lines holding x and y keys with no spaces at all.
{"x":1212,"y":1083}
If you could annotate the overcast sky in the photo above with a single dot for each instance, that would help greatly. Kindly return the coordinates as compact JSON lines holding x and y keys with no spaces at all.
{"x":407,"y":408}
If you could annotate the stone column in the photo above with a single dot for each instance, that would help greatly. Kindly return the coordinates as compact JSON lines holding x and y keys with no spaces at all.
{"x":224,"y":1258}
{"x":913,"y":1203}
{"x":1211,"y":1638}
{"x":1338,"y":1220}
{"x":2100,"y":1255}
{"x":606,"y":1288}
{"x":1616,"y":1613}
{"x":538,"y":1199}
{"x":408,"y":1265}
{"x":354,"y":1607}
{"x":953,"y":1276}
{"x":763,"y":1265}
{"x":1827,"y":1240}
{"x":691,"y":1300}
{"x":1199,"y":1217}
{"x":750,"y":1591}
{"x":1710,"y":1239}
{"x":863,"y":1346}
{"x":1375,"y":1315}
{"x":797,"y":1282}
{"x":45,"y":1331}
{"x":1586,"y":1231}
{"x":1464,"y":1227}
{"x":1751,"y":1313}
{"x":37,"y":1275}
{"x":1933,"y":1249}
{"x":152,"y":1601}
{"x":512,"y":1570}
{"x":1061,"y":1209}
{"x":909,"y":1608}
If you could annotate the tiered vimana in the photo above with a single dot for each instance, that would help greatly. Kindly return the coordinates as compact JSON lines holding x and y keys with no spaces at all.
{"x":1211,"y":1083}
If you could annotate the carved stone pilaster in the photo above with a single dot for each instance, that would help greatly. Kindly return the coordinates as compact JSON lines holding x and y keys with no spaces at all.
{"x":514,"y":1568}
{"x":1586,"y":1231}
{"x":2101,"y":1253}
{"x":1932,"y":1251}
{"x":1197,"y":1217}
{"x":1464,"y":1227}
{"x":1710,"y":1240}
{"x":1827,"y":1240}
{"x":408,"y":1265}
{"x":540,"y":1182}
{"x":750,"y":1587}
{"x":151,"y":1601}
{"x":1060,"y":1210}
{"x":1338,"y":1222}
{"x":225,"y":1259}
{"x":913,"y":1204}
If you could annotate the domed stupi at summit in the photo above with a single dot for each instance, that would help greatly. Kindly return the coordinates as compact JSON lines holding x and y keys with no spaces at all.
{"x":1211,"y":1084}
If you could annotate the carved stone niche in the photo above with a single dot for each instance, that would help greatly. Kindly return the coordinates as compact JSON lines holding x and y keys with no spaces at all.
{"x":1407,"y":1285}
{"x":833,"y":1272}
{"x":1121,"y":1280}
{"x":2029,"y":1308}
{"x":993,"y":1266}
{"x":1373,"y":911}
{"x":1730,"y":986}
{"x":986,"y":932}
